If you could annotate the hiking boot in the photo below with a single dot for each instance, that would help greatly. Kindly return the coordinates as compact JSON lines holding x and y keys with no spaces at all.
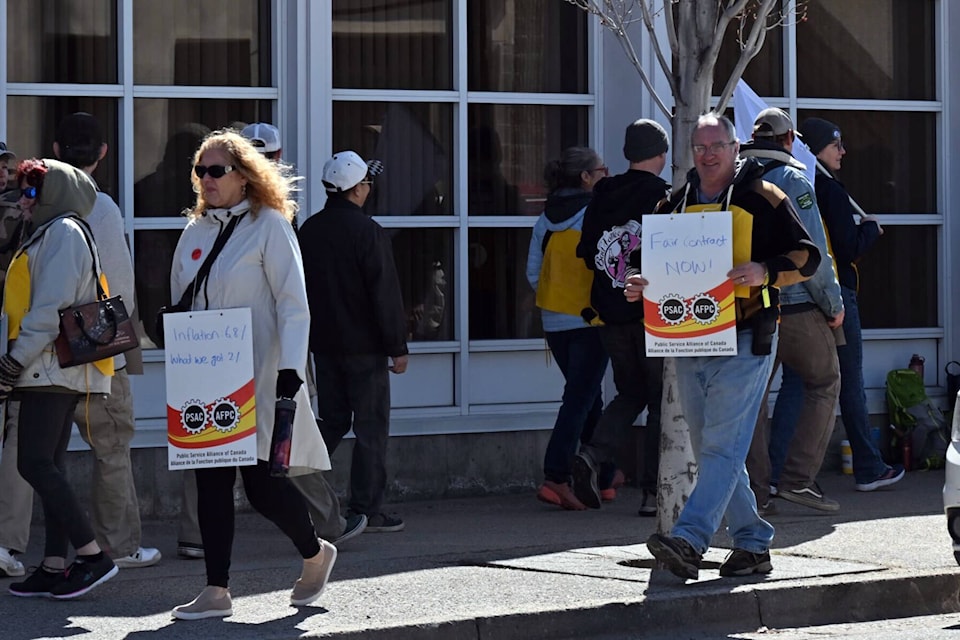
{"x":743,"y":563}
{"x":811,"y":496}
{"x":142,"y":557}
{"x":560,"y":494}
{"x":891,"y":476}
{"x":84,"y":575}
{"x":211,"y":603}
{"x":382,"y":523}
{"x":316,"y":573}
{"x":9,"y":565}
{"x":677,"y":554}
{"x":648,"y":508}
{"x":190,"y":550}
{"x":609,"y":494}
{"x":768,"y":508}
{"x":585,"y":480}
{"x":38,"y":584}
{"x":356,"y":524}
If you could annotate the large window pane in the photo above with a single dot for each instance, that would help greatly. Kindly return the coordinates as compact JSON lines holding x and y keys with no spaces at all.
{"x":424,"y":260}
{"x":153,"y":251}
{"x":414,"y":141}
{"x":891,"y":161}
{"x":526,"y":45}
{"x":508,"y":146}
{"x":166,"y":134}
{"x":32,"y":125}
{"x":385,"y":44}
{"x":502,"y":304}
{"x":213,"y":42}
{"x":899,"y":279}
{"x":873,"y":49}
{"x":764,"y":74}
{"x":58,"y":41}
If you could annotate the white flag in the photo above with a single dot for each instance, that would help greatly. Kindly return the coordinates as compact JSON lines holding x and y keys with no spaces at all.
{"x":746,"y":106}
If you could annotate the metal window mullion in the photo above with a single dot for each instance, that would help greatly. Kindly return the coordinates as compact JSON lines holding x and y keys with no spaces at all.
{"x":462,"y":287}
{"x":790,"y":55}
{"x":393,"y":95}
{"x":205,"y":92}
{"x":47,"y":90}
{"x":856,"y":104}
{"x":4,"y":53}
{"x":125,"y":125}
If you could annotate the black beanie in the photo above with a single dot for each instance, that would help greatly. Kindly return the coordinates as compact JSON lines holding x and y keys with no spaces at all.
{"x":644,"y":139}
{"x":818,"y":133}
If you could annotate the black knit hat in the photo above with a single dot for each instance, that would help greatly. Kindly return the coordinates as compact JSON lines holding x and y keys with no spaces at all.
{"x":644,"y":139}
{"x":818,"y":133}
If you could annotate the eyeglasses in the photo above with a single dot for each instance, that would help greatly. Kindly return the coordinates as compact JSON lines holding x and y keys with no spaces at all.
{"x":216,"y":171}
{"x":838,"y":144}
{"x":603,"y":169}
{"x":28,"y":192}
{"x":715,"y":148}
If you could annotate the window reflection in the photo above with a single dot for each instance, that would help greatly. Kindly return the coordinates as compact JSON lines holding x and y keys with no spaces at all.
{"x":764,"y":74}
{"x":153,"y":251}
{"x":32,"y":125}
{"x":424,"y":259}
{"x":506,"y":147}
{"x":385,"y":44}
{"x":874,"y":49}
{"x":213,"y":43}
{"x":57,"y":41}
{"x":891,"y":161}
{"x":413,"y":140}
{"x":502,"y":304}
{"x":537,"y":46}
{"x":900,"y":268}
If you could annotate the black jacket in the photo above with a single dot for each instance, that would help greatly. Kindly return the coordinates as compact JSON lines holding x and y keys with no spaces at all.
{"x":611,"y":231}
{"x":352,"y":285}
{"x":848,"y":240}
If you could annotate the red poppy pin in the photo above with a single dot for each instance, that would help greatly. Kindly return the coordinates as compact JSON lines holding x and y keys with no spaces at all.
{"x":196,"y":254}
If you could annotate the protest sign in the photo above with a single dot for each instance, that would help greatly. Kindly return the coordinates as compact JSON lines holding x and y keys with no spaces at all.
{"x":211,"y":405}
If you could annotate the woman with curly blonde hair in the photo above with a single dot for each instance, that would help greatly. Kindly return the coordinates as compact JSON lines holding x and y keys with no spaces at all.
{"x":242,"y":193}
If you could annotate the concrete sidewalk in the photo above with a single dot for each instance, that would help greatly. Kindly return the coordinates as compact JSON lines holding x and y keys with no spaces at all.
{"x":510,"y":567}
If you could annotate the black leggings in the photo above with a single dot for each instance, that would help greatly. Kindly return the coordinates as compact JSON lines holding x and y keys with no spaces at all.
{"x":44,"y":431}
{"x":275,"y":498}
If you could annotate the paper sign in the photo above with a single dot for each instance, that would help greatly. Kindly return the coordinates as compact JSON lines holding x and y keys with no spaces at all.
{"x":211,"y":405}
{"x":688,"y":307}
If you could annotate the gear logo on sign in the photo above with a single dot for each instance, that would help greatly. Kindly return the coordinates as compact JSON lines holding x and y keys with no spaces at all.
{"x":193,"y":416}
{"x":704,"y":308}
{"x":225,"y":415}
{"x":672,"y":309}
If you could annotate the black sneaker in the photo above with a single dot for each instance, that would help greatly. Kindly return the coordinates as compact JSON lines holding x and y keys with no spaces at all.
{"x":38,"y":584}
{"x":744,"y":563}
{"x":648,"y":508}
{"x":356,"y":523}
{"x":680,"y":557}
{"x":585,"y":483}
{"x":382,"y":523}
{"x":82,"y":576}
{"x":810,"y":496}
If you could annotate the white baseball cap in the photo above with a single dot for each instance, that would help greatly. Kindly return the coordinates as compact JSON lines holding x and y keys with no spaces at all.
{"x":347,"y":169}
{"x":265,"y":137}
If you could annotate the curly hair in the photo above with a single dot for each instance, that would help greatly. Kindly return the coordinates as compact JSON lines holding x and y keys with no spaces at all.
{"x":269,"y":184}
{"x":32,"y":170}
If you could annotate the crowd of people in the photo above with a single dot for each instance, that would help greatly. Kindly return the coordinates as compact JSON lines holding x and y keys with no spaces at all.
{"x":330,"y":289}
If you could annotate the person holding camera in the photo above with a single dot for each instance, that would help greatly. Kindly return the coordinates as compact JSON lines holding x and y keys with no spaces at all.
{"x":721,"y":395}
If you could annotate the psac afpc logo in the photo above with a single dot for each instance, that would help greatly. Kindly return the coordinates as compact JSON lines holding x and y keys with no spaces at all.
{"x":702,"y":308}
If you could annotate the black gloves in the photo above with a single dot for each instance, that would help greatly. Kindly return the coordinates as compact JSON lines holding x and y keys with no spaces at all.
{"x":9,"y":374}
{"x":288,"y":383}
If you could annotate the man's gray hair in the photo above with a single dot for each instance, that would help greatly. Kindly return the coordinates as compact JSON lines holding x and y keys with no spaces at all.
{"x":712,"y":118}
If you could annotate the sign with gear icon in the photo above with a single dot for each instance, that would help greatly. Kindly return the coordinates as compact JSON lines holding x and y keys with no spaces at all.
{"x":689,"y":303}
{"x":211,"y":399}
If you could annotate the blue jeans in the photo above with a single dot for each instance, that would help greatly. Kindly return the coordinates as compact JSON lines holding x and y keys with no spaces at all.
{"x":868,"y":465}
{"x":580,"y":355}
{"x":721,"y":398}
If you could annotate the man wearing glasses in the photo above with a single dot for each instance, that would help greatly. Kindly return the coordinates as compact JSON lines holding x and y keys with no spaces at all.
{"x":721,"y":395}
{"x":357,"y":323}
{"x":608,"y":244}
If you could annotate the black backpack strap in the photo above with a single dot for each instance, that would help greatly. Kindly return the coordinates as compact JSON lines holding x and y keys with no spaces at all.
{"x":546,"y":239}
{"x":186,"y":300}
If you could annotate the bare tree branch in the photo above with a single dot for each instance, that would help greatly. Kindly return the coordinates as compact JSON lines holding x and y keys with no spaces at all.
{"x":657,"y":50}
{"x":733,"y":9}
{"x":758,"y":33}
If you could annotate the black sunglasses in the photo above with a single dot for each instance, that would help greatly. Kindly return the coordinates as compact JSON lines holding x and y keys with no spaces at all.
{"x":216,"y":171}
{"x":28,"y":192}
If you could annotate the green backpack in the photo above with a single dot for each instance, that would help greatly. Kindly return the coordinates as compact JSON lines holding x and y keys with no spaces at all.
{"x":914,"y":416}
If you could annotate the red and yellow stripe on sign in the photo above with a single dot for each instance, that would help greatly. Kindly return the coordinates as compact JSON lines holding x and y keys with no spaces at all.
{"x":689,"y":327}
{"x":210,"y":435}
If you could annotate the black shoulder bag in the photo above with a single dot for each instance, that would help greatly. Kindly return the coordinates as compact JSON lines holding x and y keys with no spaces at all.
{"x":186,"y":300}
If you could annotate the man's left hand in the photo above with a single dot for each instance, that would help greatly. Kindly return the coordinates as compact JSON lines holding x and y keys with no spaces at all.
{"x":399,"y":364}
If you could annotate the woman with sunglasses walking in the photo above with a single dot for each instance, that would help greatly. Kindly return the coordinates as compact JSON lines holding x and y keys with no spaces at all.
{"x":259,"y":267}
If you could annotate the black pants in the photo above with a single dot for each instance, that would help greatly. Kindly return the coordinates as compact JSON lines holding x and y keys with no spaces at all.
{"x":354,"y":391}
{"x":44,"y":431}
{"x":275,"y":498}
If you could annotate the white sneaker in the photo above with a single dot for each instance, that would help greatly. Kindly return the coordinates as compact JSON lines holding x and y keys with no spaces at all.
{"x":9,"y":565}
{"x":142,"y":557}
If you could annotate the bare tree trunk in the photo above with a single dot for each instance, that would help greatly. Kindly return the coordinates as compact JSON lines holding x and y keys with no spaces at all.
{"x":678,"y":471}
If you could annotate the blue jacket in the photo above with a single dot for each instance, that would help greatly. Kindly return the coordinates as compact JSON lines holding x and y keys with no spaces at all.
{"x":848,"y":239}
{"x":783,"y":170}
